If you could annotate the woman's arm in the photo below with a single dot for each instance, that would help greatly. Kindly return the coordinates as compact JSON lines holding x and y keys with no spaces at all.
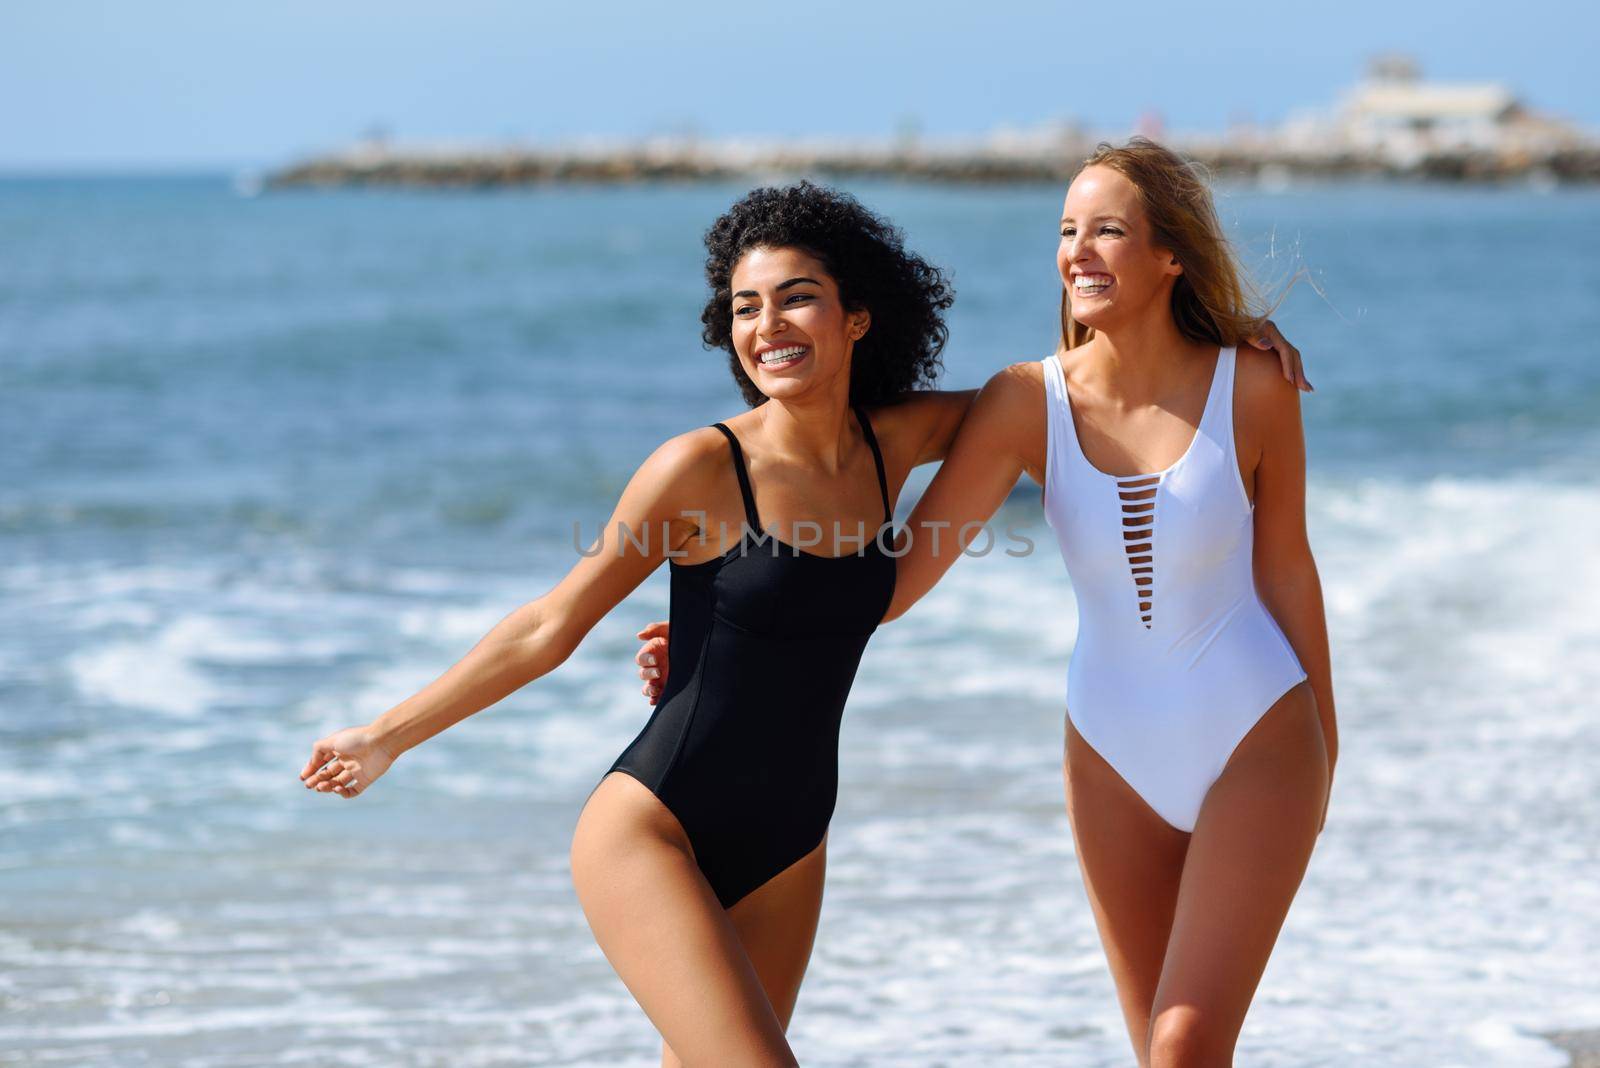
{"x":918,"y":427}
{"x":1285,"y":572}
{"x":1002,"y":436}
{"x":649,"y":520}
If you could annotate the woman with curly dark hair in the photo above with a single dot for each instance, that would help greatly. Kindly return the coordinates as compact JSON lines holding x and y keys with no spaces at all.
{"x":699,"y":858}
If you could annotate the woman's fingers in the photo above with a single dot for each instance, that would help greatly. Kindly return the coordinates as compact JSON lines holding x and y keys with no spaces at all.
{"x":652,"y":661}
{"x":1288,"y":356}
{"x":333,"y":773}
{"x":326,"y":768}
{"x":1291,"y":363}
{"x":321,"y":753}
{"x":346,"y":781}
{"x":328,"y":776}
{"x":651,"y":654}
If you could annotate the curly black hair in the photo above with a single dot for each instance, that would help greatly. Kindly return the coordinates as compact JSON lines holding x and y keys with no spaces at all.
{"x":905,"y":294}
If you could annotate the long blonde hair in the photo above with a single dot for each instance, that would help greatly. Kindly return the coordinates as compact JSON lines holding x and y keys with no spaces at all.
{"x":1211,"y":301}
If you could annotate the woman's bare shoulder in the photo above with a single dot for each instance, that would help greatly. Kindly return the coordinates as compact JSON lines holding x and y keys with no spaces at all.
{"x":1263,"y":397}
{"x":1015,"y":385}
{"x":685,"y":465}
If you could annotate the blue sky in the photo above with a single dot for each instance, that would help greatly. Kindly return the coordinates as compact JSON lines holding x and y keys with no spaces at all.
{"x":91,"y":84}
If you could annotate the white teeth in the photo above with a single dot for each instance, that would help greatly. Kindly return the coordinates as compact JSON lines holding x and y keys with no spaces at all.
{"x":780,"y":355}
{"x":1091,"y":283}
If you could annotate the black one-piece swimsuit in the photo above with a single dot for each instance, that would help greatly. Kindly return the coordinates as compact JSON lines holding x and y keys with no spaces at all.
{"x":743,"y":747}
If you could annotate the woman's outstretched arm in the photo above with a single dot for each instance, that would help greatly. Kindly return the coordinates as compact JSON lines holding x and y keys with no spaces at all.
{"x":649,"y":520}
{"x":1002,"y":436}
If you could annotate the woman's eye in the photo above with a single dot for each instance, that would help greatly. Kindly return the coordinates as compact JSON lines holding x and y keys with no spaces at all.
{"x":742,"y":309}
{"x":798,"y":296}
{"x":1067,"y":231}
{"x":1112,"y":230}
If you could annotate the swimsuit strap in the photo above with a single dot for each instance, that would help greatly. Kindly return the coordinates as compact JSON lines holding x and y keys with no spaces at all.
{"x":750,"y":513}
{"x":877,"y":458}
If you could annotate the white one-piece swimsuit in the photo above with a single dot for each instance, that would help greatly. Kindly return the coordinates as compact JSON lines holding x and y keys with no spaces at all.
{"x":1176,"y":657}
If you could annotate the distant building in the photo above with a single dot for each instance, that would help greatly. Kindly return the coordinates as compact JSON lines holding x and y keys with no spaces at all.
{"x":1396,"y":115}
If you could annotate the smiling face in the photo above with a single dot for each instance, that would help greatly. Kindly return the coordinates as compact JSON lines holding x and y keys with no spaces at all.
{"x":790,"y":330}
{"x":1112,"y":269}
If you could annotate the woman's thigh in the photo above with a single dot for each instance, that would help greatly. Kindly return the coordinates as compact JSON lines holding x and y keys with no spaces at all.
{"x":1246,"y":857}
{"x":1132,"y":862}
{"x":665,"y":933}
{"x":777,"y":924}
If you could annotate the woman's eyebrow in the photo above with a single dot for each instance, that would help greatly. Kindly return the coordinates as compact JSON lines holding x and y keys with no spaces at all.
{"x":781,"y":286}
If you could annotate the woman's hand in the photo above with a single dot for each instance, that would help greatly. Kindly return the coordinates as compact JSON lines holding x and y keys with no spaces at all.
{"x":345,"y":762}
{"x":652,"y":659}
{"x":1289,"y":356}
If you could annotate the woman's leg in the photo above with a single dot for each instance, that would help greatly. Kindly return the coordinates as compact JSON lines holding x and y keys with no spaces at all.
{"x":1132,"y":862}
{"x":1246,"y":857}
{"x":666,"y":934}
{"x":776,"y":924}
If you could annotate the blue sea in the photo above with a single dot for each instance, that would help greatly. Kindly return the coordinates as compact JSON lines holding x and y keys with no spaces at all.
{"x":269,"y":464}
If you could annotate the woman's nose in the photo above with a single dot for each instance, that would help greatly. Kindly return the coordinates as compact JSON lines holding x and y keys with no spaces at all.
{"x":771,"y":319}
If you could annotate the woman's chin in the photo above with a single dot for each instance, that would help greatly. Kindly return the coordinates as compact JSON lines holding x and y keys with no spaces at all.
{"x":784,"y":390}
{"x":1092,"y":314}
{"x":786,"y":386}
{"x":1100,"y":314}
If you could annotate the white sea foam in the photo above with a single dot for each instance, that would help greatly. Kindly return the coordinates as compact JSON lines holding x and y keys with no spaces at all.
{"x":1447,"y":917}
{"x":156,"y":674}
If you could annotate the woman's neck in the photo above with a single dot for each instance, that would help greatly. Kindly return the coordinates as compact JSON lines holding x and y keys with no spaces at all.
{"x":814,"y":429}
{"x":1139,"y":362}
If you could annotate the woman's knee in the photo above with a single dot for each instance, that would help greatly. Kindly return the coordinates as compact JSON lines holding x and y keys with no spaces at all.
{"x":1184,"y":1036}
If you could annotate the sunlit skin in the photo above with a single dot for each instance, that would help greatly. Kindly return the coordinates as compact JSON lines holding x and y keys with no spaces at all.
{"x":1187,"y":920}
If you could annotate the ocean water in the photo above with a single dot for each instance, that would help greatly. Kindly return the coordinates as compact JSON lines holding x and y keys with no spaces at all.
{"x":268,"y":465}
